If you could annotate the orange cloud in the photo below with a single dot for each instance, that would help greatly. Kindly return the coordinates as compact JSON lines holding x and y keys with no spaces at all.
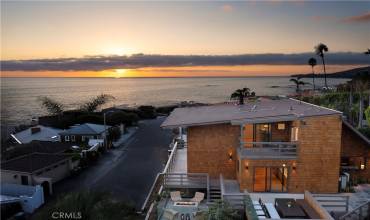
{"x":363,"y":18}
{"x":227,"y":8}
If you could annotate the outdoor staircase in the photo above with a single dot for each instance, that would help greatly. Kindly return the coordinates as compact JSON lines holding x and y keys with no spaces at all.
{"x":214,"y":191}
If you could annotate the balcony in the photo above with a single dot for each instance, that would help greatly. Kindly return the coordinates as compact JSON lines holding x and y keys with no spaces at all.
{"x":268,"y":150}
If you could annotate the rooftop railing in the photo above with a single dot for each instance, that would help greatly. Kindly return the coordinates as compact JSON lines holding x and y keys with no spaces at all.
{"x":270,"y":150}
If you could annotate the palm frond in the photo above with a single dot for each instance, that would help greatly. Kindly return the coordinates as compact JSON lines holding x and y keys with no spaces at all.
{"x":52,"y":106}
{"x":96,"y":102}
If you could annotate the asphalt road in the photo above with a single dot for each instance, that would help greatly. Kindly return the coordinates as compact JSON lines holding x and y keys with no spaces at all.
{"x":129,"y":171}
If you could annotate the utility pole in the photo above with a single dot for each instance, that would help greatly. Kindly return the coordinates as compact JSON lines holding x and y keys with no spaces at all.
{"x":105,"y":133}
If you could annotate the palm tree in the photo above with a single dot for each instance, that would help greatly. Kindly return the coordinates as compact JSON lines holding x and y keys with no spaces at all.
{"x":96,"y":102}
{"x":312,"y":62}
{"x":320,"y":50}
{"x":367,"y":52}
{"x":298,"y":83}
{"x":241,"y":94}
{"x":52,"y":106}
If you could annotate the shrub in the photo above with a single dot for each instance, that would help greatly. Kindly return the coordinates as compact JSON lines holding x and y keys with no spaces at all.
{"x":114,"y":134}
{"x":127,"y":118}
{"x":365,"y":131}
{"x":147,"y":112}
{"x":90,"y":206}
{"x":90,"y":118}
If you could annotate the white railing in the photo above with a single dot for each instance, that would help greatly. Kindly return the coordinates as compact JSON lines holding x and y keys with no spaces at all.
{"x":171,"y":159}
{"x":157,"y":185}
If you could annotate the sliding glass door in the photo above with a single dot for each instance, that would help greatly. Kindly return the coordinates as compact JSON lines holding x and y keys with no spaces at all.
{"x":270,"y":179}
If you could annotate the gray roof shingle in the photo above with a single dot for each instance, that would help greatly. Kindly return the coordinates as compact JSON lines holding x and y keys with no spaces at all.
{"x":32,"y":162}
{"x":85,"y":129}
{"x":262,"y":109}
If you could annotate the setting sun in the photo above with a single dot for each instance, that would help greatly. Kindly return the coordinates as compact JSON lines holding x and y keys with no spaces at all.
{"x":120,"y":72}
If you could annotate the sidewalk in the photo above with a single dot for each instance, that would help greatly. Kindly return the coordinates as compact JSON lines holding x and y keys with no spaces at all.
{"x":122,"y":140}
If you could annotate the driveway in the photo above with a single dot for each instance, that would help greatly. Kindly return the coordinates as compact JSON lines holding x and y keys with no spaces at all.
{"x":129,"y":171}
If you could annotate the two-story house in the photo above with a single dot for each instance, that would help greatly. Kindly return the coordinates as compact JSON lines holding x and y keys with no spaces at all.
{"x":267,"y":145}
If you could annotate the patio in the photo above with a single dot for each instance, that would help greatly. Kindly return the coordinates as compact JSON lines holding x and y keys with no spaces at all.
{"x":169,"y":209}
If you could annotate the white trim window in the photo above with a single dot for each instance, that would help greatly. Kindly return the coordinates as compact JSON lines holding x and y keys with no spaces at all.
{"x":66,"y":138}
{"x":83,"y":138}
{"x":294,"y":134}
{"x":73,"y":138}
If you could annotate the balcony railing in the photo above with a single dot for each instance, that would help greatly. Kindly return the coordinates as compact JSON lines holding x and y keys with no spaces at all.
{"x":268,"y":150}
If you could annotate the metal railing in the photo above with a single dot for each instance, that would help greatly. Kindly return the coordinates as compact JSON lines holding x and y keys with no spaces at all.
{"x":361,"y":212}
{"x":185,"y":180}
{"x":235,"y":200}
{"x":171,"y":159}
{"x":268,"y":149}
{"x":157,"y":185}
{"x":333,"y":202}
{"x":166,"y":179}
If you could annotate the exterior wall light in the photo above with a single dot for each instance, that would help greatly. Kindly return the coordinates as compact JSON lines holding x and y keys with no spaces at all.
{"x":362,"y":166}
{"x":294,"y":167}
{"x":284,"y":165}
{"x":230,"y":156}
{"x":246,"y":166}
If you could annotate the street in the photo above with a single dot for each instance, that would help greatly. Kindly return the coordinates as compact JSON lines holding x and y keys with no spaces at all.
{"x":128,"y":171}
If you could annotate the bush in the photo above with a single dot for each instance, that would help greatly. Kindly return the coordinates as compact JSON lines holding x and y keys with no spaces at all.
{"x":90,"y":118}
{"x":147,"y":112}
{"x":127,"y":118}
{"x":166,"y":109}
{"x":90,"y":206}
{"x":114,"y":134}
{"x":365,"y":131}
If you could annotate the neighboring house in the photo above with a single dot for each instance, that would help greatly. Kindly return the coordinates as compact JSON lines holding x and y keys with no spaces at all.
{"x":37,"y":133}
{"x":30,"y":197}
{"x":36,"y":147}
{"x":36,"y":169}
{"x":83,"y":133}
{"x":267,"y":145}
{"x":355,"y":154}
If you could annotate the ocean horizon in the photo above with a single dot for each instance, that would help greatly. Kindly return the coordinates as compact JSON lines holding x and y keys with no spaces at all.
{"x":19,"y":96}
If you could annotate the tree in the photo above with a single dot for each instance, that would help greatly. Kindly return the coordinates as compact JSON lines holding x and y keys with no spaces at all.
{"x":96,"y":102}
{"x":52,"y":106}
{"x":320,"y":50}
{"x":312,"y":62}
{"x":298,"y":83}
{"x":241,"y":94}
{"x":361,"y":83}
{"x":89,"y":205}
{"x":367,"y":114}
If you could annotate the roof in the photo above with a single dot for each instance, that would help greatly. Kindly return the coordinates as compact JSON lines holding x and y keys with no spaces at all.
{"x":32,"y":162}
{"x":45,"y":134}
{"x":37,"y":147}
{"x":259,"y":111}
{"x":357,"y":132}
{"x":85,"y":129}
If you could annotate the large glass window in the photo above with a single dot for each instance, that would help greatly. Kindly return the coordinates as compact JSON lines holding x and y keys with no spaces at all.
{"x":270,"y":179}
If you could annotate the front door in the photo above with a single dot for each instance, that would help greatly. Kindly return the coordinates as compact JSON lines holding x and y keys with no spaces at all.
{"x":270,"y":179}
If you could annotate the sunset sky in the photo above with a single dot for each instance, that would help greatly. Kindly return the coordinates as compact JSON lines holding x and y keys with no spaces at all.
{"x":54,"y":30}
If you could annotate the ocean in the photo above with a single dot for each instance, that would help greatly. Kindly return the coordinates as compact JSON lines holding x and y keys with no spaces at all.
{"x":19,"y":96}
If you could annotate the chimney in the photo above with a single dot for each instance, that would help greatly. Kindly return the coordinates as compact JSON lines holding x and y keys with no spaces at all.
{"x":35,"y":130}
